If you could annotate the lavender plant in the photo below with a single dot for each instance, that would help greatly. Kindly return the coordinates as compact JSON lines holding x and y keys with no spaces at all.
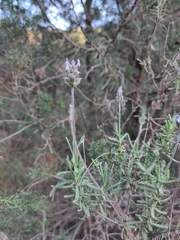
{"x":126,"y":184}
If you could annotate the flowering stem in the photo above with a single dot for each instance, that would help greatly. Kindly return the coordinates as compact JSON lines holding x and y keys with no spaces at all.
{"x":72,"y":80}
{"x":72,"y":117}
{"x":119,"y":119}
{"x":121,"y":102}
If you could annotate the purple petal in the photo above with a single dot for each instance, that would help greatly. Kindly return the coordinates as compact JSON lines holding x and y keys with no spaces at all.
{"x":120,"y":91}
{"x":73,"y":63}
{"x":67,"y":64}
{"x":78,"y":63}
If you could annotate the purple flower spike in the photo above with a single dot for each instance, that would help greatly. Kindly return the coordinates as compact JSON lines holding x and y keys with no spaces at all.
{"x":72,"y":78}
{"x":120,"y":97}
{"x":120,"y":91}
{"x":72,"y":67}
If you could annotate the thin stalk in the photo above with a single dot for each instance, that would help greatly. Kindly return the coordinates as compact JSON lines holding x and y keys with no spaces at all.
{"x":139,"y":134}
{"x":119,"y":126}
{"x":72,"y":117}
{"x":119,"y":119}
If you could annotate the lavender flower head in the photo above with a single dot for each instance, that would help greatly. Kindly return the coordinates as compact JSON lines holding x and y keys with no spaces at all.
{"x":73,"y":68}
{"x":72,"y":79}
{"x":120,"y":97}
{"x":120,"y":91}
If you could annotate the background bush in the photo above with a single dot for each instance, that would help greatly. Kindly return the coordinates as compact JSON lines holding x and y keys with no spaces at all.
{"x":132,"y":44}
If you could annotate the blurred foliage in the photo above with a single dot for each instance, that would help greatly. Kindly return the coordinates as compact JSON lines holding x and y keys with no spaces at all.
{"x":134,"y":44}
{"x":21,"y":213}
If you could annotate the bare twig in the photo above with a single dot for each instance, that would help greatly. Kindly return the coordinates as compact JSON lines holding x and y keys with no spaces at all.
{"x":18,"y":132}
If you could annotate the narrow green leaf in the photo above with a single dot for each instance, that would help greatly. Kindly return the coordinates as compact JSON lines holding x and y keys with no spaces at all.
{"x":69,"y":196}
{"x":69,"y":145}
{"x":151,"y":167}
{"x":61,"y":184}
{"x":81,"y":141}
{"x":152,"y":211}
{"x":63,"y":173}
{"x":102,"y":210}
{"x":149,"y":225}
{"x":159,"y":211}
{"x":76,"y":170}
{"x":92,"y":186}
{"x":146,"y":183}
{"x":77,"y":192}
{"x":131,"y":224}
{"x":105,"y":173}
{"x":145,"y":237}
{"x":112,"y":139}
{"x":141,"y":167}
{"x":159,"y":225}
{"x":166,"y":199}
{"x":114,"y":186}
{"x":85,"y":209}
{"x":70,"y":166}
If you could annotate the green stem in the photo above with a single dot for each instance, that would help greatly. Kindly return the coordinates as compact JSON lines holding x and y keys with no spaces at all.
{"x":119,"y":119}
{"x":72,"y":117}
